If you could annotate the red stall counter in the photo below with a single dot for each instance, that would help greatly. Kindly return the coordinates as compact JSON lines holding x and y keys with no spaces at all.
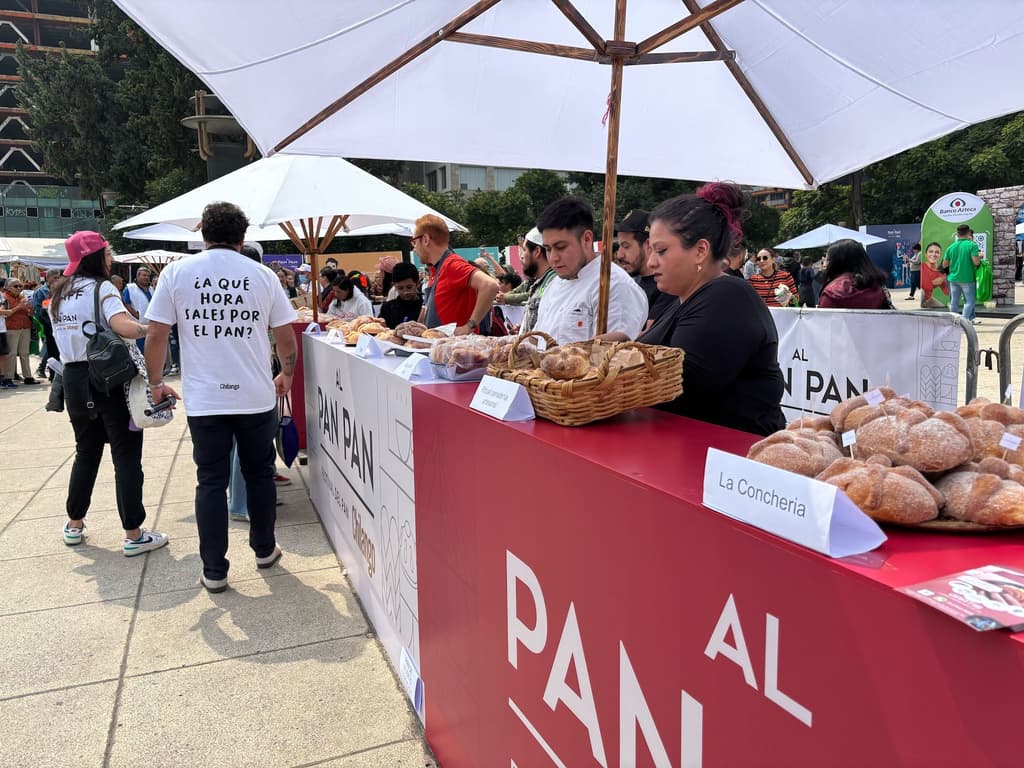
{"x":579,"y":606}
{"x":299,"y":387}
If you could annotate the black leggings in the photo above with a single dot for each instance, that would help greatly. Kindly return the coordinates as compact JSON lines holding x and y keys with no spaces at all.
{"x":106,"y":421}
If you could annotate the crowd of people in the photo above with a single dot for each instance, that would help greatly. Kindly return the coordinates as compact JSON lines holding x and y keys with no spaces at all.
{"x":681,"y":276}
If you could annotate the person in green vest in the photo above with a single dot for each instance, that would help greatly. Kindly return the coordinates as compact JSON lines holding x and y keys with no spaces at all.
{"x":962,"y":259}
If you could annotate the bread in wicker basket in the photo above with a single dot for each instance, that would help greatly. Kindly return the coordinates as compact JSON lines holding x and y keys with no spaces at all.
{"x":614,"y":384}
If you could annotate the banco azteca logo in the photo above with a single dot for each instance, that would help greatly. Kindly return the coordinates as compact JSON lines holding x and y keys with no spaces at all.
{"x":957,"y":202}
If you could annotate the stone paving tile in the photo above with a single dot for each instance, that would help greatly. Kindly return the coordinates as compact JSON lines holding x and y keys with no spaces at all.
{"x":80,"y":574}
{"x":178,"y":519}
{"x":405,"y":754}
{"x":38,"y":458}
{"x":37,"y":729}
{"x":28,"y":479}
{"x":177,"y":566}
{"x":63,"y":647}
{"x":11,"y":505}
{"x":288,"y":707}
{"x":50,"y":501}
{"x":42,"y":536}
{"x":185,"y":628}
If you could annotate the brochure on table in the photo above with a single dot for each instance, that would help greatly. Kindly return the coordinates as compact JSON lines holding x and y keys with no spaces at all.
{"x":985,"y":598}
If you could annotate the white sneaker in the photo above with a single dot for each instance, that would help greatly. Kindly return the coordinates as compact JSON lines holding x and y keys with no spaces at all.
{"x":269,"y":560}
{"x":149,"y":540}
{"x":73,"y":536}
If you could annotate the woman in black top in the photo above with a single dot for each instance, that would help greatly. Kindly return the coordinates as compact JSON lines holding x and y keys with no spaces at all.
{"x":731,"y":372}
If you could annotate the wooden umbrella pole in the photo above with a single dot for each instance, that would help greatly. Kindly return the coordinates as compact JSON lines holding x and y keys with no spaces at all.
{"x":611,"y":172}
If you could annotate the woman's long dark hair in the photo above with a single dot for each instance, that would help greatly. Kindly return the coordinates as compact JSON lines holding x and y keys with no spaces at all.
{"x":849,"y":256}
{"x":92,"y":266}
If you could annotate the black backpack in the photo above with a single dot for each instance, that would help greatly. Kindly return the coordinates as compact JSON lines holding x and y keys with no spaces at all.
{"x":110,"y":362}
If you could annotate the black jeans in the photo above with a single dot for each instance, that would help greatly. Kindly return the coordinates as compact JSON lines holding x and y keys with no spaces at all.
{"x":106,"y":421}
{"x":211,"y":451}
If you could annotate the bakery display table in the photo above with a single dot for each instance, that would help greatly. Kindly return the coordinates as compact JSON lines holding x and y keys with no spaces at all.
{"x":579,"y":606}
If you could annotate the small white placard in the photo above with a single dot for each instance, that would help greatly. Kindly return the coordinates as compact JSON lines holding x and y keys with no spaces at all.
{"x":367,"y":346}
{"x":411,"y":681}
{"x":1009,"y":441}
{"x":313,"y":329}
{"x":800,"y":509}
{"x":334,"y":336}
{"x":874,"y":397}
{"x":504,"y":400}
{"x":415,"y":365}
{"x":849,"y":438}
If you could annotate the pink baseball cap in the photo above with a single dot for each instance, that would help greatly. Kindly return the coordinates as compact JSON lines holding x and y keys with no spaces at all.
{"x":80,"y":245}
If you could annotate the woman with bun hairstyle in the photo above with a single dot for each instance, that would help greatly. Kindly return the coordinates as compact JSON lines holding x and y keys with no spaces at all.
{"x":731,"y":371}
{"x":851,"y":281}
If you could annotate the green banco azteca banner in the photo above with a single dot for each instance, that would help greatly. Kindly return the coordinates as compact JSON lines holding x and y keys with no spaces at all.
{"x":940,"y":223}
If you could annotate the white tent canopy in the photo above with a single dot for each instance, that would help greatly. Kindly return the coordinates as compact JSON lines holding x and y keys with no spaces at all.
{"x":289,"y":188}
{"x":42,"y":252}
{"x":825,"y":235}
{"x":816,"y":89}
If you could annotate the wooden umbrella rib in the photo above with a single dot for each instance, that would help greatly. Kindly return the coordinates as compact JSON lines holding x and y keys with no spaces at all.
{"x":389,"y":69}
{"x":755,"y":98}
{"x":688,"y":57}
{"x":697,"y":18}
{"x":573,"y":15}
{"x":527,"y":46}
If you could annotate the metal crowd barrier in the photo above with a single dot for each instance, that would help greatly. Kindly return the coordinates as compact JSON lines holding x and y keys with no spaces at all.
{"x":973,"y":353}
{"x":1005,"y":367}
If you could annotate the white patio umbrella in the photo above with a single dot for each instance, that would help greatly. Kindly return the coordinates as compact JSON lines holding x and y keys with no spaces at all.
{"x":173,"y":233}
{"x":767,"y":92}
{"x":825,"y":235}
{"x":155,"y":257}
{"x":312,"y":199}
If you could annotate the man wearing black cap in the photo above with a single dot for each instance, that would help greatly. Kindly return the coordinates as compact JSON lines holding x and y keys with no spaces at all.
{"x":631,"y":234}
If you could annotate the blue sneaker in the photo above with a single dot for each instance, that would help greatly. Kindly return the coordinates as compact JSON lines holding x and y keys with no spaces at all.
{"x":149,"y":540}
{"x":73,"y":536}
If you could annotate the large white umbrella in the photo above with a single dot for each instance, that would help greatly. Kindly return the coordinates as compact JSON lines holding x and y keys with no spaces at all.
{"x":825,"y":235}
{"x":787,"y":93}
{"x":149,"y":258}
{"x":294,"y":191}
{"x":173,"y":233}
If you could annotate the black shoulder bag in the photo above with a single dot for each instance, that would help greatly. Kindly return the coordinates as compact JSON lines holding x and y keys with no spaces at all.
{"x":110,"y":363}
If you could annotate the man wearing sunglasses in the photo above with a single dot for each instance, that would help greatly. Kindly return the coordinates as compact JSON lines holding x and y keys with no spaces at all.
{"x":458,"y":292}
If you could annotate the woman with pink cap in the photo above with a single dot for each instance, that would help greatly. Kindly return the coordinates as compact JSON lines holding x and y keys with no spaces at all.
{"x":97,"y":417}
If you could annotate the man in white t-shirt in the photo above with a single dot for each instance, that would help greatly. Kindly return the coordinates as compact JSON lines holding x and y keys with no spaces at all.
{"x":223,"y":304}
{"x":568,"y":310}
{"x":136,"y":297}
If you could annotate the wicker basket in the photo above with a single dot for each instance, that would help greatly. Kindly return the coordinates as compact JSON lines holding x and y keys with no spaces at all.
{"x":605,"y":392}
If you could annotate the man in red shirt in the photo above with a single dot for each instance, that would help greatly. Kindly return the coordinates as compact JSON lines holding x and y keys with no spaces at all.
{"x":458,"y":292}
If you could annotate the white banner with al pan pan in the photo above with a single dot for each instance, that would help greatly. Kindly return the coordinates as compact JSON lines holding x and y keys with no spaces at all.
{"x":359,"y":443}
{"x":828,"y":355}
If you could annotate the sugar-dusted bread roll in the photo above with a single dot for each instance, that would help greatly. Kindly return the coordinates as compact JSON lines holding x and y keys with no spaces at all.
{"x":986,"y":435}
{"x":843,"y":411}
{"x":989,"y":493}
{"x":433,"y":333}
{"x":912,"y":438}
{"x":817,"y":423}
{"x":805,"y":451}
{"x":885,"y":493}
{"x":566,"y":363}
{"x":410,"y":328}
{"x":980,"y":408}
{"x":362,"y":320}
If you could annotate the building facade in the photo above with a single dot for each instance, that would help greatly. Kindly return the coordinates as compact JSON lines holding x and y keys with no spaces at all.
{"x":33,"y":203}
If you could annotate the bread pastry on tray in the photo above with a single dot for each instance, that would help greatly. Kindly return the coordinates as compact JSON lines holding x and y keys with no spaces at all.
{"x":911,"y":437}
{"x":803,"y":451}
{"x":989,"y":493}
{"x":885,"y":493}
